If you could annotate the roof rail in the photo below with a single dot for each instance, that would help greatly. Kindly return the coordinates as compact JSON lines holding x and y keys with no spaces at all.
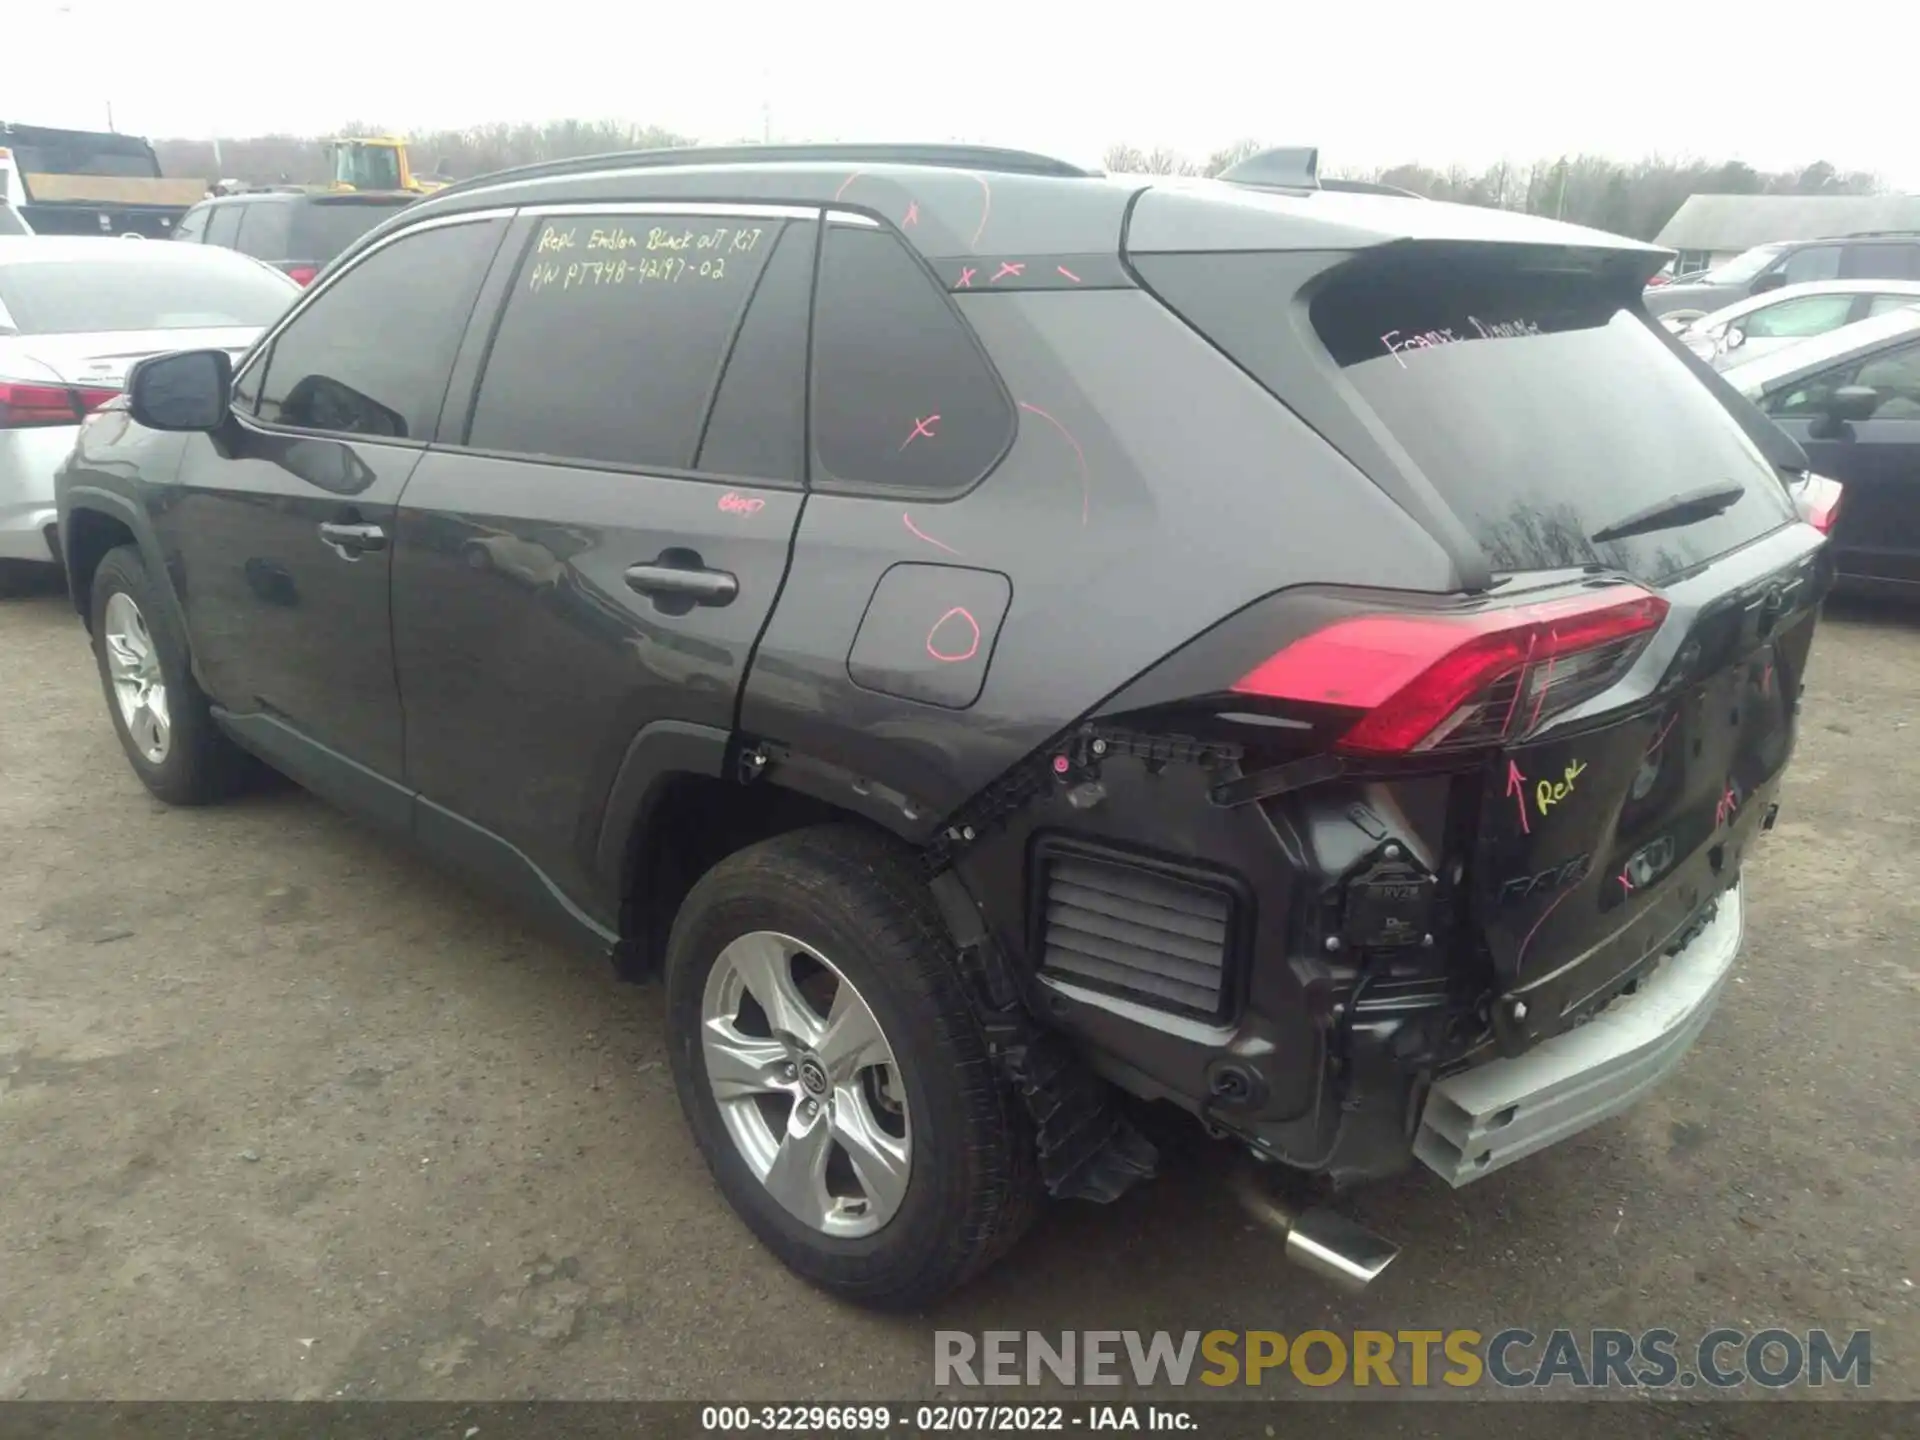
{"x":1863,"y":234}
{"x":958,"y":157}
{"x":1287,"y":167}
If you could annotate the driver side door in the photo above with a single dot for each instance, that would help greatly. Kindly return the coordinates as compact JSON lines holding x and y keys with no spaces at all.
{"x":279,"y":526}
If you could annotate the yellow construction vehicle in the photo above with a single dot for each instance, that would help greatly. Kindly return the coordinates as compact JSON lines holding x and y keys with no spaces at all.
{"x":374,"y":162}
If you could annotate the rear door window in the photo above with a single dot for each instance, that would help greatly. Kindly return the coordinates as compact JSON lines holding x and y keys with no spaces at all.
{"x":1881,"y":304}
{"x":904,"y":399}
{"x":1524,"y":385}
{"x":321,"y":229}
{"x":614,"y":336}
{"x":372,"y":353}
{"x":263,"y":230}
{"x":223,"y":225}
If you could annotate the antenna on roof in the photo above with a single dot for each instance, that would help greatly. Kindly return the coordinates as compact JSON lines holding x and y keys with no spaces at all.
{"x":1292,"y":167}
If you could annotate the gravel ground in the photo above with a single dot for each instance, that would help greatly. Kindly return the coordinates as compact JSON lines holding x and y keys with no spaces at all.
{"x":287,"y":1112}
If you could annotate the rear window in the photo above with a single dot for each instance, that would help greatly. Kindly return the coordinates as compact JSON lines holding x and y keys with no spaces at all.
{"x":60,"y":297}
{"x":1528,"y":391}
{"x":323,"y":229}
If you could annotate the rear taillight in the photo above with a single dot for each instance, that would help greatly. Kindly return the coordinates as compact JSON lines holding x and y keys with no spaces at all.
{"x":1422,"y":682}
{"x":24,"y":406}
{"x":302,"y":274}
{"x":1818,"y":500}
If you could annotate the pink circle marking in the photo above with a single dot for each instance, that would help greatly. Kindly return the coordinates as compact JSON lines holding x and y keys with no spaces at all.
{"x":947,"y":657}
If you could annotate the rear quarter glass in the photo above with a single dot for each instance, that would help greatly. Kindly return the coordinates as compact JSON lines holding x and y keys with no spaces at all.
{"x":1522,"y":383}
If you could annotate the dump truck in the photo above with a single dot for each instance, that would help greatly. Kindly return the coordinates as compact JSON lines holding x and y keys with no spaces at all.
{"x":88,"y":182}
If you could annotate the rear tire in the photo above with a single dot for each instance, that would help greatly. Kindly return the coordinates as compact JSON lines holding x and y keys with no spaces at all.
{"x":835,"y":909}
{"x":158,"y":709}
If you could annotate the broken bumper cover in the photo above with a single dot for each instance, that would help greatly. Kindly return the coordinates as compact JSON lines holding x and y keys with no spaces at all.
{"x":1482,"y":1119}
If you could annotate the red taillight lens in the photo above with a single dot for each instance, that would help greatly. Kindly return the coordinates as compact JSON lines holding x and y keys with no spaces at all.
{"x":1818,"y":500}
{"x":302,"y":274}
{"x":1425,"y":681}
{"x":24,"y":406}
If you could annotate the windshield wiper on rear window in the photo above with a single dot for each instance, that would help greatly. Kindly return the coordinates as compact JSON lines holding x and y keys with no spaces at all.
{"x":1674,"y":510}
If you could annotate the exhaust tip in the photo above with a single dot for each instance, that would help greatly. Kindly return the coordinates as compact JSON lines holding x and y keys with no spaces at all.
{"x":1325,"y":1242}
{"x":1339,"y":1249}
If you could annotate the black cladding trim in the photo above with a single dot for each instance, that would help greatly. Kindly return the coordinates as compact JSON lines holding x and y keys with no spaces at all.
{"x":1153,"y":916}
{"x":971,"y":274}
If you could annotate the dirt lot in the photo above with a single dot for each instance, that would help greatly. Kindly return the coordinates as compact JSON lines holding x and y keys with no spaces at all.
{"x":286,"y":1112}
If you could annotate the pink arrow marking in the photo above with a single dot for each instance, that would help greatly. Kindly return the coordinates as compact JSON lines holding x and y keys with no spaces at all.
{"x":1517,"y":788}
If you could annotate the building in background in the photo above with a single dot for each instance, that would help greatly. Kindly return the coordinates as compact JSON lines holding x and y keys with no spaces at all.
{"x":1710,"y":229}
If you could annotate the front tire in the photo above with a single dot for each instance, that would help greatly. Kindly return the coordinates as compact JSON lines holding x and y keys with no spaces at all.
{"x":834,"y":1074}
{"x":159,"y":711}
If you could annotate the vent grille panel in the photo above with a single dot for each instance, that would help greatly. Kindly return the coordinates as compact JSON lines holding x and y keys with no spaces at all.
{"x":1160,"y":938}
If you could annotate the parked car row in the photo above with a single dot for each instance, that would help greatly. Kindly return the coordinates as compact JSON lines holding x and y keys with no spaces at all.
{"x":1871,"y":255}
{"x":1775,"y":319}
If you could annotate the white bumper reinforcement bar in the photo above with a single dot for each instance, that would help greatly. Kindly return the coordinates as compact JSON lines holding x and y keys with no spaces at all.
{"x":1482,"y":1119}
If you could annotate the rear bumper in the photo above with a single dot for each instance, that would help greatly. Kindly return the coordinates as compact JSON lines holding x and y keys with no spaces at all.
{"x":28,"y":460}
{"x":1488,"y":1117}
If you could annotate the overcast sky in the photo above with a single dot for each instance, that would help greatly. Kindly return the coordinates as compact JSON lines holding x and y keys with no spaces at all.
{"x":1469,"y":82}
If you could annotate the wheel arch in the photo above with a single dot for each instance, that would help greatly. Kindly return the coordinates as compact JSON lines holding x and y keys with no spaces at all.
{"x":684,"y":798}
{"x":94,"y":522}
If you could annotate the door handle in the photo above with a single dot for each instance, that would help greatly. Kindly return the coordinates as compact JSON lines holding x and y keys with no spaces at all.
{"x":350,"y":542}
{"x":694,"y":582}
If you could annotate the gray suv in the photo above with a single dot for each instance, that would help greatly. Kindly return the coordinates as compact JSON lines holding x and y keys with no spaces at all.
{"x":1869,"y":255}
{"x":1002,"y":641}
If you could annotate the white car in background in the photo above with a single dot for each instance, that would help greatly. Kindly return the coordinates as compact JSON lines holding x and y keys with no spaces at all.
{"x":75,"y":313}
{"x":1750,"y":328}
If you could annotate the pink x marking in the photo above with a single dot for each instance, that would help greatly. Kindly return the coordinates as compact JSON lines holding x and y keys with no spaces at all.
{"x":913,"y":214}
{"x":967,"y":273}
{"x":1009,"y":267}
{"x":922,"y":427}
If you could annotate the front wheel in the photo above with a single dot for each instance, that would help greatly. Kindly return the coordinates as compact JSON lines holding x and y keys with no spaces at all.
{"x":834,"y":1074}
{"x":158,"y":710}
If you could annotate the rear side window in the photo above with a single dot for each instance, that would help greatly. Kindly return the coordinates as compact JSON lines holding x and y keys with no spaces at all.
{"x":321,"y":229}
{"x":372,"y":353}
{"x":1881,"y":304}
{"x":223,"y":225}
{"x":614,"y":334}
{"x":1882,"y":262}
{"x":1523,"y":384}
{"x":263,"y":230}
{"x":903,"y":397}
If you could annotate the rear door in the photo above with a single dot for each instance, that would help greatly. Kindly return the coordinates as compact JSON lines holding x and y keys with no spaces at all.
{"x":600,"y":539}
{"x":282,"y":524}
{"x":1877,"y":459}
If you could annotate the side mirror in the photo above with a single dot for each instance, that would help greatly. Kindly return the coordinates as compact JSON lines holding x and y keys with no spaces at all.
{"x":1734,"y":338}
{"x":185,"y":391}
{"x":1852,"y":402}
{"x":1772,"y":280}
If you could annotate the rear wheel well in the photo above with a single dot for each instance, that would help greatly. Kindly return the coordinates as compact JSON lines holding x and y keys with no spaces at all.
{"x":691,"y":826}
{"x":89,"y":536}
